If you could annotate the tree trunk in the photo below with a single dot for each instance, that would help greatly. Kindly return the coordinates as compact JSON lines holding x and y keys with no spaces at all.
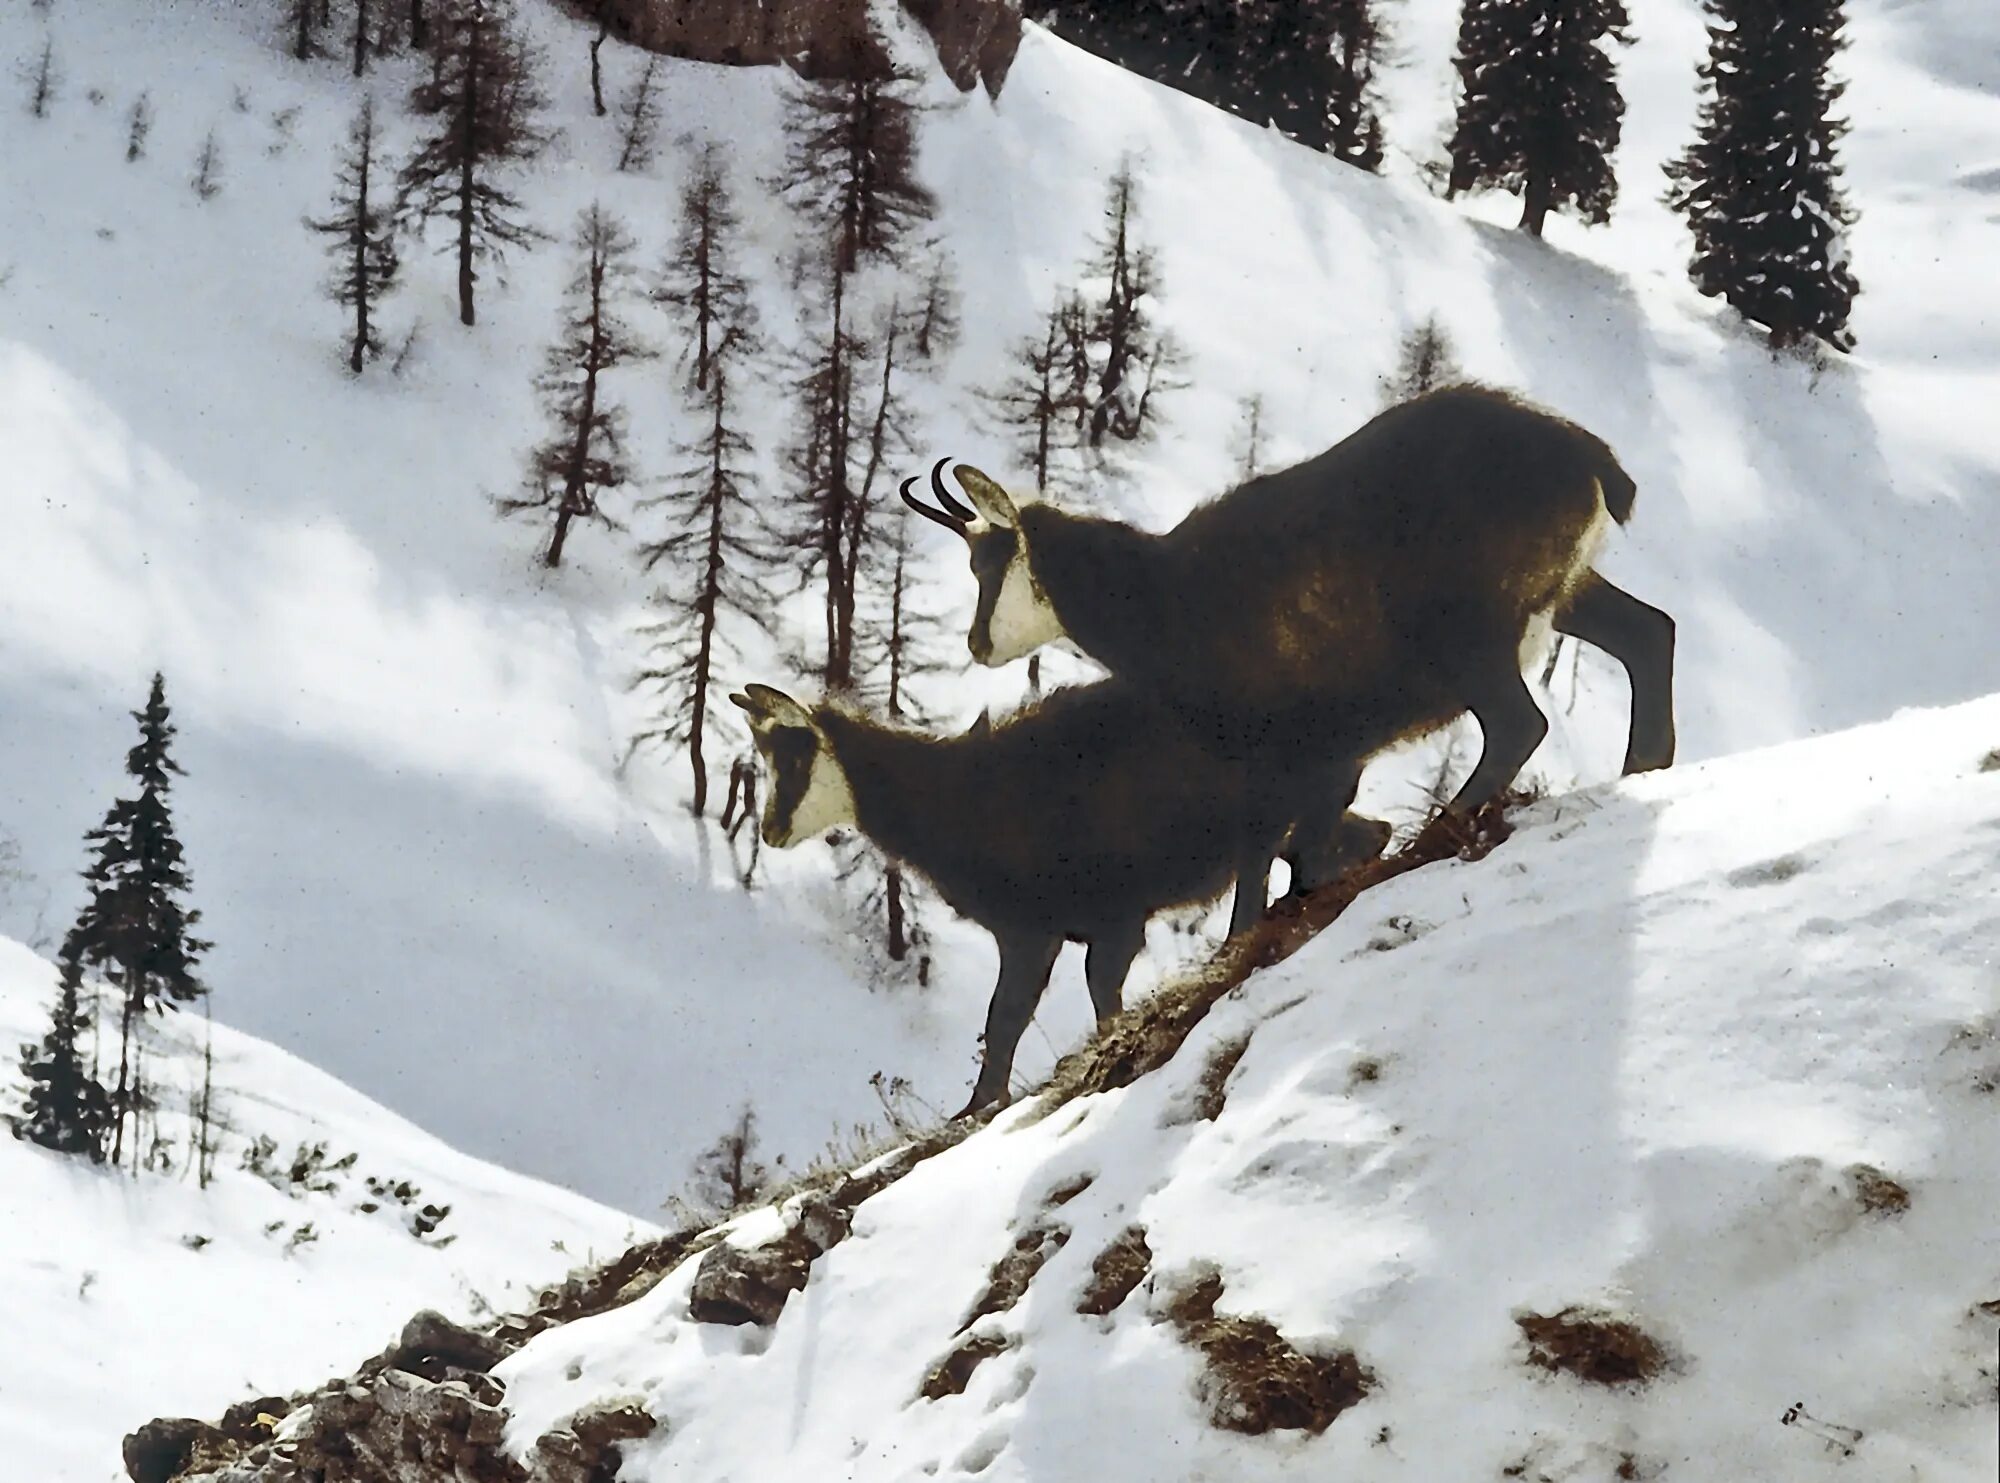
{"x":420,"y":30}
{"x":467,"y":113}
{"x":597,"y":68}
{"x":355,"y":360}
{"x":360,"y":37}
{"x":899,"y":942}
{"x":1536,"y":209}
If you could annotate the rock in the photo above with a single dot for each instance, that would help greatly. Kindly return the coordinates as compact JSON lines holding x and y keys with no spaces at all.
{"x":740,"y":1285}
{"x":157,"y":1451}
{"x":430,"y":1335}
{"x":822,"y":39}
{"x":822,"y":1223}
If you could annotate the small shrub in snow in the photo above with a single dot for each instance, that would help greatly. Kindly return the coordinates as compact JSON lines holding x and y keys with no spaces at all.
{"x":138,"y":125}
{"x":42,"y":78}
{"x":1592,"y":1346}
{"x":207,"y":178}
{"x":1254,"y":1379}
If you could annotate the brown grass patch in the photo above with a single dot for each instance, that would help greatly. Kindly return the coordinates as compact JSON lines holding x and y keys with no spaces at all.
{"x":1147,"y":1036}
{"x":1876,"y":1193}
{"x":1010,"y":1276}
{"x":1254,"y":1380}
{"x":954,"y":1372}
{"x":1063,"y":1193}
{"x":1211,"y":1092}
{"x":1115,"y":1271}
{"x":1991,"y":761}
{"x":1592,"y":1346}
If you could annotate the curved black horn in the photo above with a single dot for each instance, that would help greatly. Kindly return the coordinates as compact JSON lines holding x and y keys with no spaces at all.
{"x":945,"y":497}
{"x":956,"y":527}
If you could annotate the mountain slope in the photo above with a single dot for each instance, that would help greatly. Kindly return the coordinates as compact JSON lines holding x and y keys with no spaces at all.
{"x":418,"y":862}
{"x":125,"y":1296}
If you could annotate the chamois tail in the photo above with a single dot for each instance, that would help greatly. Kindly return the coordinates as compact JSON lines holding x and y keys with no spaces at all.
{"x":1619,"y":490}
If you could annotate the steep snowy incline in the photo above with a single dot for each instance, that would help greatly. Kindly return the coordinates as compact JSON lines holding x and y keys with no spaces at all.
{"x":419,"y":864}
{"x":125,"y":1297}
{"x":1692,"y":1082}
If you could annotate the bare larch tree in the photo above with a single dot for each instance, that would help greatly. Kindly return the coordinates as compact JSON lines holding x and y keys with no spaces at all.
{"x":361,"y":237}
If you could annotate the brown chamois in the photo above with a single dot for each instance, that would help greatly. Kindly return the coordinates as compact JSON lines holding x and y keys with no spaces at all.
{"x":1311,"y":617}
{"x":1075,"y":820}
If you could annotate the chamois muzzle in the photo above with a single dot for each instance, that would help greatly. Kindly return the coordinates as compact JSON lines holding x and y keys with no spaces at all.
{"x":952,"y":514}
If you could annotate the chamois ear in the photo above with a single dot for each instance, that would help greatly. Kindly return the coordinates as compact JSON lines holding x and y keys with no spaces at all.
{"x":987,"y":497}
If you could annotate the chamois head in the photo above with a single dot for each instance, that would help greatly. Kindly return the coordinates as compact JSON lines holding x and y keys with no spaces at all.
{"x":808,"y":793}
{"x":1014,"y":616}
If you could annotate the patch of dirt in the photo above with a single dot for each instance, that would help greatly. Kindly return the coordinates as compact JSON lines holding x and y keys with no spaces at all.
{"x":1211,"y":1092}
{"x":1011,"y":1275}
{"x":1593,"y":1346}
{"x":1991,"y":761}
{"x":954,"y":1372}
{"x":1254,"y":1380}
{"x":1876,"y":1193}
{"x":1063,"y":1193}
{"x":1116,"y":1271}
{"x":1364,"y":1072}
{"x":1147,"y":1036}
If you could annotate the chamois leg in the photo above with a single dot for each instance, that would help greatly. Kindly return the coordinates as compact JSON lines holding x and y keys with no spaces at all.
{"x":1025,"y":962}
{"x":1512,"y":726}
{"x":1106,"y":964}
{"x":1327,"y":839}
{"x":1640,"y":637}
{"x":1262,"y":829}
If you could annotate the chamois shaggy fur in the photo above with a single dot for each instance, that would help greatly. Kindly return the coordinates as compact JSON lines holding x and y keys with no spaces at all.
{"x":1074,"y":820}
{"x":1312,"y":617}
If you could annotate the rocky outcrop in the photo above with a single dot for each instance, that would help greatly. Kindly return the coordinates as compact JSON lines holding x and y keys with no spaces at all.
{"x":976,"y":39}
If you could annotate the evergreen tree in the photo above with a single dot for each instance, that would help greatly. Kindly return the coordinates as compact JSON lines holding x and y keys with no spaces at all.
{"x":727,"y":1175}
{"x":1128,"y":358}
{"x":716,"y":555}
{"x":43,"y":78}
{"x":850,"y":164}
{"x":68,"y":1109}
{"x":1354,"y":105}
{"x":1539,"y":111}
{"x":484,"y":94}
{"x":584,"y":454}
{"x":361,"y":238}
{"x":1046,"y":397}
{"x":303,"y":19}
{"x":1760,"y":187}
{"x":138,"y":125}
{"x":824,"y":507}
{"x":701,"y":283}
{"x":1250,"y":440}
{"x":1426,"y":360}
{"x":638,"y":138}
{"x":134,"y":928}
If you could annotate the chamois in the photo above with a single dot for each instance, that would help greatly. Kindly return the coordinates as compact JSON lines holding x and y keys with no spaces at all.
{"x":1329,"y":610}
{"x":1075,"y":820}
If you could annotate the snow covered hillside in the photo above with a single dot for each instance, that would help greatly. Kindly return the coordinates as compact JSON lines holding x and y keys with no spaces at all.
{"x":1712,"y":1054}
{"x":414,"y":854}
{"x":1662,"y":1143}
{"x":124,"y":1296}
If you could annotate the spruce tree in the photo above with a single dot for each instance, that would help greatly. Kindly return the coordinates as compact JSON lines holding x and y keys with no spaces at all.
{"x":361,"y":235}
{"x":584,"y":454}
{"x":1760,"y":187}
{"x":135,"y":929}
{"x":67,"y":1108}
{"x":850,"y":165}
{"x":715,"y":556}
{"x":484,"y":95}
{"x":1426,"y":360}
{"x":1539,"y":111}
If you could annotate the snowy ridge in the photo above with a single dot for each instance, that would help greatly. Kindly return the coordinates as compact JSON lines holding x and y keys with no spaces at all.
{"x":1713,"y":1052}
{"x":125,"y":1297}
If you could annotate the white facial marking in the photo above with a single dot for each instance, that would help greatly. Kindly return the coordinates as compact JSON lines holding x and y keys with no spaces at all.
{"x":828,"y":802}
{"x":1023,"y":619}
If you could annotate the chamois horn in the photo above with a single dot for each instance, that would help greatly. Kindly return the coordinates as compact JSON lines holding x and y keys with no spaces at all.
{"x":951,"y":503}
{"x":956,"y":527}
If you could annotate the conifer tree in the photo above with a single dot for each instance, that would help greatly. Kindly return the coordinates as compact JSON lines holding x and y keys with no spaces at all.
{"x":1250,"y":440}
{"x":1539,"y":111}
{"x":701,"y":283}
{"x":484,"y":95}
{"x":207,"y":178}
{"x":823,"y":508}
{"x":584,"y":454}
{"x":43,"y":78}
{"x":361,"y":237}
{"x":134,"y":928}
{"x":716,"y":555}
{"x":303,"y":18}
{"x":67,"y":1108}
{"x":727,"y":1175}
{"x":138,"y":125}
{"x":850,"y":164}
{"x":641,"y":109}
{"x":1425,"y":361}
{"x":1128,"y":358}
{"x":1046,"y":397}
{"x":1760,"y":186}
{"x":1354,"y":105}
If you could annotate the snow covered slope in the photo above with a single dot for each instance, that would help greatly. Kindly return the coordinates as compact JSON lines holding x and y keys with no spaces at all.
{"x":124,"y":1297}
{"x":1713,"y":1054}
{"x":416,"y":861}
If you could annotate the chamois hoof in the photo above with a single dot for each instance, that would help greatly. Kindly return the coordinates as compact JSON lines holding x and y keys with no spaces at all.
{"x":979,"y":1104}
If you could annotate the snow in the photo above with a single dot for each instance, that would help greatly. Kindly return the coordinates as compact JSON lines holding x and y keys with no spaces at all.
{"x":1639,"y":1060}
{"x":126,"y":1298}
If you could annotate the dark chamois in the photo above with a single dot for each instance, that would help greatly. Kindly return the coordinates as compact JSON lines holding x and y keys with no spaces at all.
{"x":1311,"y":617}
{"x":1073,"y":821}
